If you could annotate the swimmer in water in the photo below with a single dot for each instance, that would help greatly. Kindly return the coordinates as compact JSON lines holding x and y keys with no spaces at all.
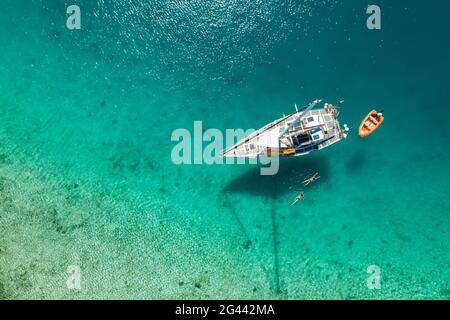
{"x":312,"y":179}
{"x":298,"y":198}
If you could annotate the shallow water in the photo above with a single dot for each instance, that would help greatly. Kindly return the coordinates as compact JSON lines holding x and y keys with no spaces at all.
{"x":86,"y":177}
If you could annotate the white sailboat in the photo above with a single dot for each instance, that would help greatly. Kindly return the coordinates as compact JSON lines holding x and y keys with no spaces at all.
{"x":298,"y":134}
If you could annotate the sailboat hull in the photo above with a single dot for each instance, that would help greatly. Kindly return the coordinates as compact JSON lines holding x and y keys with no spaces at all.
{"x":297,"y":134}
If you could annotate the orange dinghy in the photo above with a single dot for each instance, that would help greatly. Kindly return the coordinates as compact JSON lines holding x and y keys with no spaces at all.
{"x":370,"y":123}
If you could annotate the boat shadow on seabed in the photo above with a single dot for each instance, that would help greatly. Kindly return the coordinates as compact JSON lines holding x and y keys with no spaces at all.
{"x":289,"y":178}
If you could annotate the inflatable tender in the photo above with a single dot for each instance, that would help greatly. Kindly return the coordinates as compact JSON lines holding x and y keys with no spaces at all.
{"x":370,"y":123}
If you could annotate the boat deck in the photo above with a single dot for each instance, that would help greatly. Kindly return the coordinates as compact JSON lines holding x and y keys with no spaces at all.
{"x":327,"y":122}
{"x":279,"y":134}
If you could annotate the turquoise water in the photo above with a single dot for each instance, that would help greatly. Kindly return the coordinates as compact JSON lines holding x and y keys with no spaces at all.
{"x":86,"y":177}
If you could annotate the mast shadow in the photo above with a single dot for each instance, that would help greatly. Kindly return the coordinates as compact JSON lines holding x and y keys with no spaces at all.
{"x":289,"y":178}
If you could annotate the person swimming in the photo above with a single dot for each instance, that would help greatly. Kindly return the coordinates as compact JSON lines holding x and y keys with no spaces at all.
{"x":311,"y":179}
{"x":298,"y":198}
